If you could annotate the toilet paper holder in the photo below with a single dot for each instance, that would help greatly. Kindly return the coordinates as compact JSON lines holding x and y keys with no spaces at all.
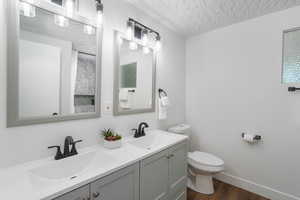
{"x":255,"y":137}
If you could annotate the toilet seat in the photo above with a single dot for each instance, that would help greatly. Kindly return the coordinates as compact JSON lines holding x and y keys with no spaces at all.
{"x":205,"y":162}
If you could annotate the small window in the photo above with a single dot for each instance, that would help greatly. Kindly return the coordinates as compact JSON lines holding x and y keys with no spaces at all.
{"x":128,"y":73}
{"x":291,"y":56}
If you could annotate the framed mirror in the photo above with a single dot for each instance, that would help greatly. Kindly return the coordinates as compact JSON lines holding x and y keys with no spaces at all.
{"x":134,"y":78}
{"x":54,"y":64}
{"x":291,"y":56}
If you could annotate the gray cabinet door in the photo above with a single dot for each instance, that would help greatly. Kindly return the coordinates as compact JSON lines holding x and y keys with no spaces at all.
{"x":154,"y":173}
{"x":82,"y":193}
{"x":178,"y":168}
{"x":121,"y":185}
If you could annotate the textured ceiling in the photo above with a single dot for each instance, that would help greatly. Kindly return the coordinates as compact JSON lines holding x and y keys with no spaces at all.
{"x":191,"y":17}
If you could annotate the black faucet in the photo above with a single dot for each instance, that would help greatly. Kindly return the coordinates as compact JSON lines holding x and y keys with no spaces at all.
{"x":67,"y":153}
{"x":140,"y":132}
{"x":68,"y":141}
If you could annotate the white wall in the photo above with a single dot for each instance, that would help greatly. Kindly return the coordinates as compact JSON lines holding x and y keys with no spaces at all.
{"x":233,"y":81}
{"x":28,"y":143}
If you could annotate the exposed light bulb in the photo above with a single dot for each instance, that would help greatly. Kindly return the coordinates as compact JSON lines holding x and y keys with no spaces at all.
{"x":61,"y":21}
{"x":145,"y":37}
{"x":27,"y":9}
{"x":99,"y":7}
{"x":146,"y":50}
{"x":100,"y":18}
{"x":88,"y":29}
{"x":158,"y":43}
{"x":130,"y":30}
{"x":69,"y":7}
{"x":133,"y":45}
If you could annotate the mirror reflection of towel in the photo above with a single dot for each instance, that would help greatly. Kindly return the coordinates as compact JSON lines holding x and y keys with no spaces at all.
{"x":124,"y":99}
{"x":165,"y":101}
{"x":123,"y":95}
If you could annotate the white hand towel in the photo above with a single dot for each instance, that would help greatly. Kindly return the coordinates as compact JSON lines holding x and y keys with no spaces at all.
{"x":162,"y":110}
{"x":165,"y":101}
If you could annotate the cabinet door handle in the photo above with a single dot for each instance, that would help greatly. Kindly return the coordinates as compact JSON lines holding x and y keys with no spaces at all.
{"x":96,"y":194}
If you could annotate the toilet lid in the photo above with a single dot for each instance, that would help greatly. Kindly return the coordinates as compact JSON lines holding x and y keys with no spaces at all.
{"x":205,"y":159}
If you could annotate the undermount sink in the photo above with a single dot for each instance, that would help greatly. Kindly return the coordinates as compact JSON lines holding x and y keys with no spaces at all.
{"x":66,"y":168}
{"x":150,"y":141}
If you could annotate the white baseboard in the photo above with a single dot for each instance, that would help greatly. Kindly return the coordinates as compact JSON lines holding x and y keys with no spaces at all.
{"x":255,"y":188}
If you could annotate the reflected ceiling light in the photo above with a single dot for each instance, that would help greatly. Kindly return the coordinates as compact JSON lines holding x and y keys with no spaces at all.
{"x":61,"y":21}
{"x":130,"y":30}
{"x":145,"y":37}
{"x":133,"y":45}
{"x":88,"y":29}
{"x":69,"y":7}
{"x":27,"y":9}
{"x":146,"y":50}
{"x":99,"y":7}
{"x":158,"y":43}
{"x":120,"y":39}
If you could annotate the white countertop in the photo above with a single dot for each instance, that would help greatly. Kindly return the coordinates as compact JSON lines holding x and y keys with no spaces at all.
{"x":18,"y":182}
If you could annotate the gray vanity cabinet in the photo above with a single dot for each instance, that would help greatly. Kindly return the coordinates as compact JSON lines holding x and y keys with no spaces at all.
{"x":163,"y":176}
{"x":121,"y":185}
{"x":82,"y":193}
{"x":154,"y":177}
{"x":178,"y":171}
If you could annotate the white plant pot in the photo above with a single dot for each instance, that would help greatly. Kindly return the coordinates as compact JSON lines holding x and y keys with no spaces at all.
{"x":112,"y":144}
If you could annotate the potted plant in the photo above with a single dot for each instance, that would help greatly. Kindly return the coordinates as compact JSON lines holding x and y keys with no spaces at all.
{"x":112,"y":140}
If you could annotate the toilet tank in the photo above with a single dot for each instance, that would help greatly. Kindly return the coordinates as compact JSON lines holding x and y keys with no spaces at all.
{"x":184,"y":129}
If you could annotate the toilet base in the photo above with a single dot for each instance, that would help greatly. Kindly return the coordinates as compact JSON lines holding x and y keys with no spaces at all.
{"x":201,"y":183}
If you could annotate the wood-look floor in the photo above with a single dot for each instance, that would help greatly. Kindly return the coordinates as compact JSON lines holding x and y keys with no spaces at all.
{"x":224,"y":191}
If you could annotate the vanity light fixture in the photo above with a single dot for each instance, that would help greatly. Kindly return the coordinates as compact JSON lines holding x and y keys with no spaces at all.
{"x":99,"y":8}
{"x":69,"y":7}
{"x":130,"y":30}
{"x":158,"y":43}
{"x":61,"y":21}
{"x":145,"y":37}
{"x":143,"y":33}
{"x":89,"y":30}
{"x":27,"y":9}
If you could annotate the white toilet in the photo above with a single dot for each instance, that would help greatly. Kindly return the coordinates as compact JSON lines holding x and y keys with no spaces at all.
{"x":202,"y":166}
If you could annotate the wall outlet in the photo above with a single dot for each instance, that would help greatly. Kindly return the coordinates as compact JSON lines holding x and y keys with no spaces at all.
{"x":107,"y":108}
